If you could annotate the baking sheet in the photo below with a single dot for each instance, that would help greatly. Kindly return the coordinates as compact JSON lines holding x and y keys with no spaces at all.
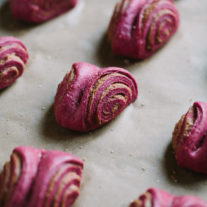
{"x":133,"y":152}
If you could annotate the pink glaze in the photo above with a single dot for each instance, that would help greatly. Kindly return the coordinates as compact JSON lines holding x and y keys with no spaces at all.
{"x":13,"y":57}
{"x":138,"y":28}
{"x":38,"y":11}
{"x":189,"y":138}
{"x":40,"y":178}
{"x":158,"y":198}
{"x":89,"y":96}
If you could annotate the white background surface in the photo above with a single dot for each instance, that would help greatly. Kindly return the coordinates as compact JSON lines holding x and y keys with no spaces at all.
{"x":131,"y":153}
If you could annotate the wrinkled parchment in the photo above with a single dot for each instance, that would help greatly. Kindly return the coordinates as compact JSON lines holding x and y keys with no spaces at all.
{"x":133,"y":152}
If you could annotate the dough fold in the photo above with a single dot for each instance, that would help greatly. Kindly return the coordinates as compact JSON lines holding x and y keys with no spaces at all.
{"x":40,"y":178}
{"x":159,"y":198}
{"x":138,"y":28}
{"x":13,"y":57}
{"x":38,"y":11}
{"x":189,"y":138}
{"x":89,"y":96}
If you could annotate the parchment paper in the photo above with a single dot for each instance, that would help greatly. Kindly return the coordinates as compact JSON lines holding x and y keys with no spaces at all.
{"x":133,"y":152}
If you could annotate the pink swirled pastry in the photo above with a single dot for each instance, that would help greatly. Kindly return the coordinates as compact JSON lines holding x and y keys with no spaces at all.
{"x":13,"y":57}
{"x":38,"y":11}
{"x":89,"y":96}
{"x":159,"y":198}
{"x":40,"y":178}
{"x":189,"y":138}
{"x":138,"y":28}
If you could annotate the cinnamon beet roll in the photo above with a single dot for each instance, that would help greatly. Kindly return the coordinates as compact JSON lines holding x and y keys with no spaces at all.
{"x":38,"y":11}
{"x":13,"y":57}
{"x":190,"y":138}
{"x":89,"y":96}
{"x":138,"y":28}
{"x":158,"y":198}
{"x":39,"y":178}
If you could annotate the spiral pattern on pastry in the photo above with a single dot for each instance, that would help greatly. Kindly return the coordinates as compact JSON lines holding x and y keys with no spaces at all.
{"x":189,"y":138}
{"x":40,"y":178}
{"x":138,"y":28}
{"x":13,"y":57}
{"x":89,"y":96}
{"x":159,"y":198}
{"x":38,"y":11}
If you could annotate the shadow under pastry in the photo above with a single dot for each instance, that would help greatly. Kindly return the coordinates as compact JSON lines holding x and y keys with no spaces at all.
{"x":178,"y":175}
{"x":9,"y":23}
{"x":4,"y":90}
{"x":106,"y":57}
{"x":53,"y":131}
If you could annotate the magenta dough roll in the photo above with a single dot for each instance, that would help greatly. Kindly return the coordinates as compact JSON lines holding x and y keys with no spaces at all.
{"x":89,"y":96}
{"x":40,"y":178}
{"x":189,"y":138}
{"x":139,"y":28}
{"x":38,"y":11}
{"x":159,"y":198}
{"x":13,"y":57}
